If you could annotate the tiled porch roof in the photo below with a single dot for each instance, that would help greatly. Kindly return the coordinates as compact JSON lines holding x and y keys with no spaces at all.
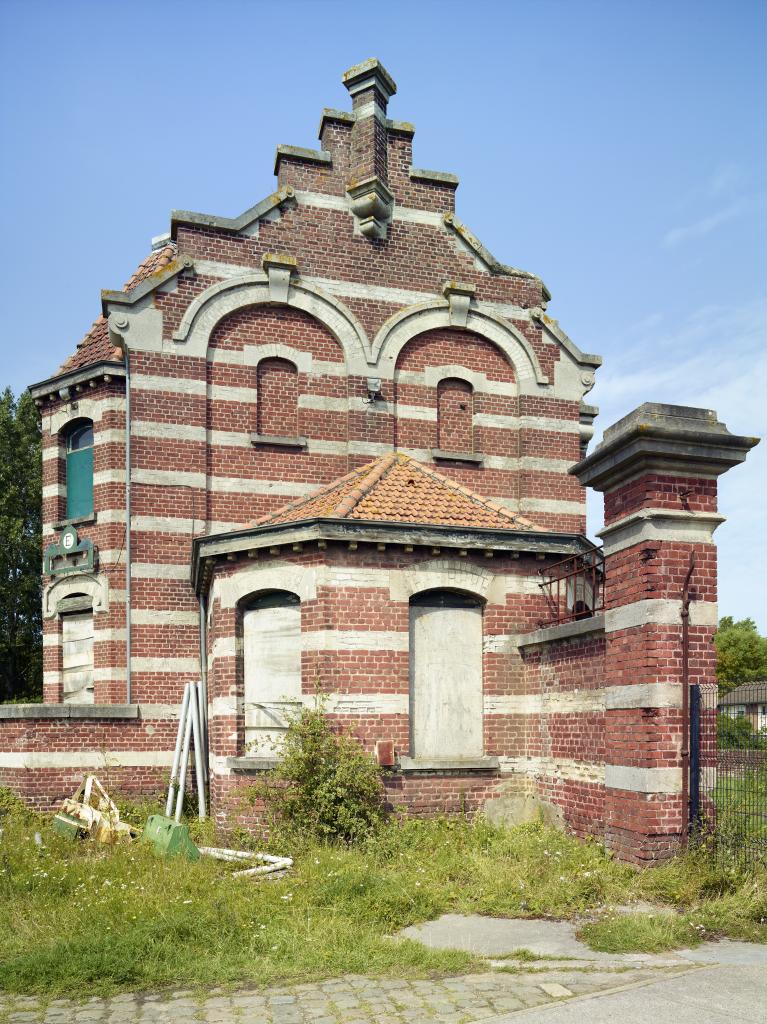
{"x":396,"y":488}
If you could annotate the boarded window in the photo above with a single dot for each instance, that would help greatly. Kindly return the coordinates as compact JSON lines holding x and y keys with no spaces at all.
{"x":277,"y":382}
{"x":79,"y":469}
{"x":77,"y":657}
{"x":445,"y":675}
{"x":272,"y":669}
{"x":455,"y":413}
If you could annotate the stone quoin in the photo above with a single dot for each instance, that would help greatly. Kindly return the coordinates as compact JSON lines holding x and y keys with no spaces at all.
{"x":334,"y":445}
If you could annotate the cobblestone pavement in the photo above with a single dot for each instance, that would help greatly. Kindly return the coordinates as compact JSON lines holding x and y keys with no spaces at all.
{"x":348,"y":1000}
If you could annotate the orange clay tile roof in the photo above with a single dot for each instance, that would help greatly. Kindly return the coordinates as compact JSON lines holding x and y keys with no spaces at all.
{"x":96,"y":346}
{"x":395,"y":488}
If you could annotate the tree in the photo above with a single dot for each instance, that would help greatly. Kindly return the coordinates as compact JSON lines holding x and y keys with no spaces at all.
{"x":21,"y":655}
{"x":741,"y":653}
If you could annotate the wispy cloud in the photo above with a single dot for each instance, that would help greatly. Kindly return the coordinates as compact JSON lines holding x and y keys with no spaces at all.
{"x":704,"y":226}
{"x":716,"y":358}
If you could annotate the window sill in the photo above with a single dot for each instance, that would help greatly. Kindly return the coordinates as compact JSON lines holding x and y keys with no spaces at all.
{"x":252,"y":764}
{"x":440,"y":454}
{"x":448,"y":764}
{"x":69,"y":711}
{"x":257,"y":440}
{"x":62,"y":524}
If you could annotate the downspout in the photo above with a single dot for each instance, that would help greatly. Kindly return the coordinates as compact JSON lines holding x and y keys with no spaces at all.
{"x":204,"y":678}
{"x":686,"y":703}
{"x":128,"y":562}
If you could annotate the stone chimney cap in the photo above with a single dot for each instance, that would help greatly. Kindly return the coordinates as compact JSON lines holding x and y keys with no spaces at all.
{"x":667,"y":417}
{"x":673,"y":440}
{"x":370,"y":74}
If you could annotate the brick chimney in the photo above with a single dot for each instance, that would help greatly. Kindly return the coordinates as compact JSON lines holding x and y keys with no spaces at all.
{"x":370,"y":86}
{"x":658,"y":470}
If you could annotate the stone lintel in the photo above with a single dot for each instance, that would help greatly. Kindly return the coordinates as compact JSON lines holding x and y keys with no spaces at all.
{"x":654,"y":525}
{"x":659,"y":611}
{"x":48,"y":711}
{"x":563,"y":631}
{"x":440,"y":453}
{"x":643,"y":780}
{"x":448,"y":764}
{"x":672,"y":440}
{"x":643,"y":695}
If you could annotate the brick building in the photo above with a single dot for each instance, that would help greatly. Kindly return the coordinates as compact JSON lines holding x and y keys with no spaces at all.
{"x":334,"y":444}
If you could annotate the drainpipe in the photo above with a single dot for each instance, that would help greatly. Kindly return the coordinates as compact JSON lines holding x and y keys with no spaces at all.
{"x":128,"y":562}
{"x":686,"y":703}
{"x":204,"y":679}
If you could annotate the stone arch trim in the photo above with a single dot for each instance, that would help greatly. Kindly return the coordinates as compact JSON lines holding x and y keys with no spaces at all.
{"x":428,"y":316}
{"x":225,"y":297}
{"x":255,"y":354}
{"x":87,"y":409}
{"x":96,"y":587}
{"x":297,"y":579}
{"x":446,"y":573}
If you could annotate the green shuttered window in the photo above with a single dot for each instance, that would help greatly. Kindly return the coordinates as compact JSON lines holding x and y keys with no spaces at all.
{"x":80,"y":470}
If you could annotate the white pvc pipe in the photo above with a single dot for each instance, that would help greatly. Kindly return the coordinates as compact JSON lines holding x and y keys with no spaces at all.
{"x":196,"y":698}
{"x":177,"y":753}
{"x":184,"y":762}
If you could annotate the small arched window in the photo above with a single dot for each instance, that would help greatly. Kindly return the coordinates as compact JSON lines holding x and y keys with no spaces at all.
{"x":455,"y":415}
{"x":446,"y":695}
{"x":271,"y":631}
{"x":79,"y":469}
{"x":277,"y":383}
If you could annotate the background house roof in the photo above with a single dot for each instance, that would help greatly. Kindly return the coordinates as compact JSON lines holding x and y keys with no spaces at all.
{"x":747,"y":693}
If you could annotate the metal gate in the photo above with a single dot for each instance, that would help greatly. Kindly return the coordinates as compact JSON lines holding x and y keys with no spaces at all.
{"x":728,"y":770}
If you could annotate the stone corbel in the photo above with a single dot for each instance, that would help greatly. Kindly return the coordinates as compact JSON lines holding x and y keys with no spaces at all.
{"x":372,"y":205}
{"x":279,"y":267}
{"x":459,"y":297}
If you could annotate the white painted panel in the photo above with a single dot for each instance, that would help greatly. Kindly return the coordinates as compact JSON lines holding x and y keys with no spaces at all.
{"x":77,"y":657}
{"x":272,"y":664}
{"x":446,"y":682}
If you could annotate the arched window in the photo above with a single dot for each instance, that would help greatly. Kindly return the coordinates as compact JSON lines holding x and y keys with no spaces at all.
{"x":446,"y":698}
{"x":77,"y":650}
{"x":79,"y":469}
{"x":455,"y":414}
{"x":277,"y":383}
{"x":271,"y":629}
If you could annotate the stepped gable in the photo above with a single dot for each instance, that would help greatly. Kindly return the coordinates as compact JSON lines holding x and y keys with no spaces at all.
{"x":96,"y":346}
{"x":396,"y":488}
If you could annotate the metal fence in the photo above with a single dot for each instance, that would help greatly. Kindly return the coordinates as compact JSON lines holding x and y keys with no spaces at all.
{"x":574,"y":587}
{"x":728,"y":771}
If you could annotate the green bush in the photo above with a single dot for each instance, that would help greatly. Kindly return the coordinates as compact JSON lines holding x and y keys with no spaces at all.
{"x":325,"y":786}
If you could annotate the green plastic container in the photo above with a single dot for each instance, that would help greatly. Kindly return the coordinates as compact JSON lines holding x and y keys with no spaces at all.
{"x":169,"y":838}
{"x":67,"y":826}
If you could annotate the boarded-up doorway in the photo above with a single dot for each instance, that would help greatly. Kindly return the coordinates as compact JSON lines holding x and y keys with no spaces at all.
{"x":445,"y":675}
{"x":272,"y":666}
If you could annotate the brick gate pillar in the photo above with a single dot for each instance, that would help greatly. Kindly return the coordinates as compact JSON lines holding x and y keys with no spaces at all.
{"x":658,"y":470}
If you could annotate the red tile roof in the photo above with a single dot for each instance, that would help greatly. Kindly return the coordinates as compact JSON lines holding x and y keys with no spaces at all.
{"x":395,"y":488}
{"x":96,"y":346}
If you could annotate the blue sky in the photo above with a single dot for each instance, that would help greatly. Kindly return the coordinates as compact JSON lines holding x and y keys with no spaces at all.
{"x":616,"y":149}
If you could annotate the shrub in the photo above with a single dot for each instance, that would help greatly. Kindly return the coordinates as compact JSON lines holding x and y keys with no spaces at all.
{"x":326,"y":786}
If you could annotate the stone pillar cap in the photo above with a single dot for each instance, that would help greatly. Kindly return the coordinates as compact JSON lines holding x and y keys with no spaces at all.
{"x":674,"y":440}
{"x":370,"y":73}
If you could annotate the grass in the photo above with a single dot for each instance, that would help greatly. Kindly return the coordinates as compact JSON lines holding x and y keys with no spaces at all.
{"x":79,"y":918}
